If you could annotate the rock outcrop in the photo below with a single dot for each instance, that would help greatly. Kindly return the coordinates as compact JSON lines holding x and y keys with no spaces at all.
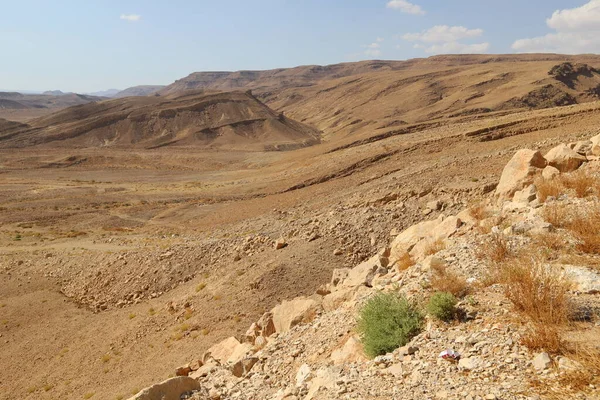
{"x":520,"y":172}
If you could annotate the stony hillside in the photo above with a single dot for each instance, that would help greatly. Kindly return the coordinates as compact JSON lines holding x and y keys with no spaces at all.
{"x":234,"y":120}
{"x":522,"y":266}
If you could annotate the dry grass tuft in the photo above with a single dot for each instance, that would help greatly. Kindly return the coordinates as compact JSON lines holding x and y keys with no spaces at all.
{"x":443,"y":280}
{"x":495,"y":249}
{"x":478,"y":211}
{"x":404,"y":262}
{"x":434,"y":247}
{"x":587,"y":372}
{"x":557,"y":214}
{"x":537,"y":290}
{"x":547,"y":188}
{"x":582,"y":182}
{"x":585,"y":227}
{"x":540,"y":337}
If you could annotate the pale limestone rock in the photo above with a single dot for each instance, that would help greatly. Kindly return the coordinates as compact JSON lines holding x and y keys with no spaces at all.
{"x":222,"y":350}
{"x":363,"y":273}
{"x":584,"y":280}
{"x":291,"y":313}
{"x":280,"y":244}
{"x":583,"y":147}
{"x":335,"y":299}
{"x":171,"y":389}
{"x":303,"y":375}
{"x":395,"y":370}
{"x":351,"y":351}
{"x":239,"y":353}
{"x":564,"y":158}
{"x":466,"y":218}
{"x":325,"y":378}
{"x":526,"y":195}
{"x":404,"y":242}
{"x":520,"y":172}
{"x":550,"y":173}
{"x":542,"y":361}
{"x":339,"y":275}
{"x":469,"y":363}
{"x":432,"y":262}
{"x":243,"y":366}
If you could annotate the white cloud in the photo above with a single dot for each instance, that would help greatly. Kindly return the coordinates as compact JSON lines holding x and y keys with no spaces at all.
{"x":374,"y":49}
{"x":586,"y":17}
{"x":443,"y":33}
{"x":577,"y":31}
{"x":406,"y":7}
{"x":444,"y":39}
{"x":131,"y":17}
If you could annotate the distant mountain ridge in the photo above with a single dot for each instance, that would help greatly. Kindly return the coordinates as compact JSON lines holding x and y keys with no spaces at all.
{"x":142,"y":90}
{"x":232,"y":120}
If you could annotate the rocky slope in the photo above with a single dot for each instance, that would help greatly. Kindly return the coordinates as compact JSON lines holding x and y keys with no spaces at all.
{"x":307,"y":348}
{"x":234,"y":120}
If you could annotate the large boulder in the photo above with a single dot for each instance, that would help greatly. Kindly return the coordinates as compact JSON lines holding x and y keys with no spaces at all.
{"x":351,"y":351}
{"x":171,"y":389}
{"x":291,"y":313}
{"x":405,"y":241}
{"x":565,"y":159}
{"x":519,"y":172}
{"x":363,"y":273}
{"x":222,"y":351}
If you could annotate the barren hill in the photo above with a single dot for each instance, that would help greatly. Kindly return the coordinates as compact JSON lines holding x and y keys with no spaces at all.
{"x":143,"y":90}
{"x":362,"y":97}
{"x":234,"y":120}
{"x":21,"y":107}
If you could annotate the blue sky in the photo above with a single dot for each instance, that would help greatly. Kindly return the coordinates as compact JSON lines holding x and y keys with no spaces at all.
{"x":94,"y":45}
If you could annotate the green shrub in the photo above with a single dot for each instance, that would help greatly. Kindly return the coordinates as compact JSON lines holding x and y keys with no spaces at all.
{"x":442,"y":305}
{"x":388,"y":321}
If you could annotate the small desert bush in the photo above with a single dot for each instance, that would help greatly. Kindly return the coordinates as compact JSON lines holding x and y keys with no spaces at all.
{"x":442,"y":305}
{"x":443,"y":280}
{"x":405,"y":262}
{"x":388,"y":321}
{"x":537,"y":290}
{"x":434,"y":247}
{"x":581,"y":181}
{"x":547,"y":188}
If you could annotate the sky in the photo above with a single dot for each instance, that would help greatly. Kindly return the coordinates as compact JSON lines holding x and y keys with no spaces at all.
{"x":92,"y":45}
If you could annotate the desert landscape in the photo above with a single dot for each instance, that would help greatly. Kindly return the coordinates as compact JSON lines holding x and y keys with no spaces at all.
{"x":143,"y":235}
